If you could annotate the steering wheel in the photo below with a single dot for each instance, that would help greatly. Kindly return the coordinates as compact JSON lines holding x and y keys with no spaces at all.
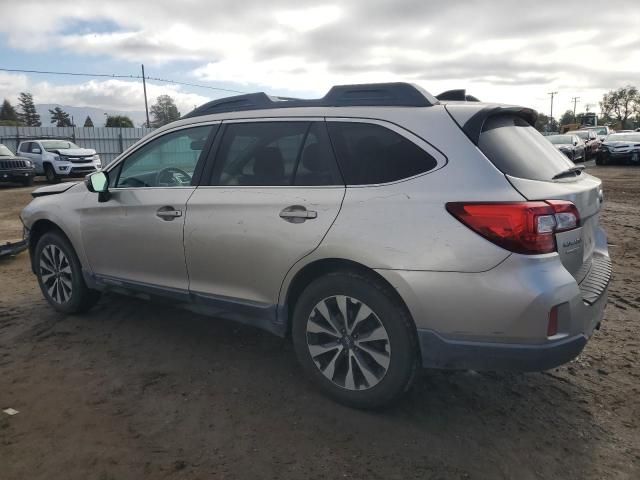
{"x":173,"y":177}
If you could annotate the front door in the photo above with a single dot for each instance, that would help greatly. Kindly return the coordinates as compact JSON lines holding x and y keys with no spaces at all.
{"x":135,"y":238}
{"x":273,"y":194}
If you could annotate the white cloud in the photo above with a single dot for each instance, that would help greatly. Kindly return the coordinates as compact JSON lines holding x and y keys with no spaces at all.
{"x":500,"y":51}
{"x":110,"y":95}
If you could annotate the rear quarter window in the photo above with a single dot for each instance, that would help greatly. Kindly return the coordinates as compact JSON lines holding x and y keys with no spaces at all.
{"x":519,"y":150}
{"x":370,"y":154}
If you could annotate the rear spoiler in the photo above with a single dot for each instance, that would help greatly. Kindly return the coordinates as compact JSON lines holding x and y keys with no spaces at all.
{"x":471,"y":117}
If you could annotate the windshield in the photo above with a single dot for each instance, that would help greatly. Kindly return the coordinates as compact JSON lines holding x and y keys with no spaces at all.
{"x":583,"y":135}
{"x":5,"y":152}
{"x":624,"y":137}
{"x":57,"y":144}
{"x":601,"y":130}
{"x":560,"y":139}
{"x":519,"y":150}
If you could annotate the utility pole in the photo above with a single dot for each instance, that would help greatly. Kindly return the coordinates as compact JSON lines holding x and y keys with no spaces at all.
{"x":551,"y":116}
{"x":575,"y":101}
{"x":144,"y":87}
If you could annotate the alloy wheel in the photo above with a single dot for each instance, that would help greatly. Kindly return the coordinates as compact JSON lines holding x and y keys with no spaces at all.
{"x":56,"y":274}
{"x":348,"y":342}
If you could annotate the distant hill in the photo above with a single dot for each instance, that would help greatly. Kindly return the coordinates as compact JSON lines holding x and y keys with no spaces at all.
{"x":79,"y":114}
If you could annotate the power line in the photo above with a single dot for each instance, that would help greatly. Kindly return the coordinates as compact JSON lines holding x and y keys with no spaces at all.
{"x":113,"y":75}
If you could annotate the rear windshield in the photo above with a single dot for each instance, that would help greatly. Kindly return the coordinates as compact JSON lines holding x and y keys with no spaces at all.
{"x":583,"y":135}
{"x":624,"y":137}
{"x":519,"y":150}
{"x":560,"y":139}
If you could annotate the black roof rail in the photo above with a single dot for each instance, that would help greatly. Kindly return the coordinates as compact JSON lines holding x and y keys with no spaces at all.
{"x":456,"y":95}
{"x":370,"y":94}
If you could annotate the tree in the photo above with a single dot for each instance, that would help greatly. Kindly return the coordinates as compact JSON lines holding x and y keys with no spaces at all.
{"x":8,"y":113}
{"x":544,"y":123}
{"x":567,"y":118}
{"x":620,"y":104}
{"x":60,"y":117}
{"x":29,"y":115}
{"x":88,"y":123}
{"x":121,"y":121}
{"x":164,"y":111}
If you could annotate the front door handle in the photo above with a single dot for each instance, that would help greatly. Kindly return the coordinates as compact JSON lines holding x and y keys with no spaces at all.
{"x":297,"y":214}
{"x":168,"y":213}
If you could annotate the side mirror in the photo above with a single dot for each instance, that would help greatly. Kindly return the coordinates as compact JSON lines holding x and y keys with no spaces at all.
{"x":575,"y":143}
{"x":98,"y":182}
{"x":36,"y":150}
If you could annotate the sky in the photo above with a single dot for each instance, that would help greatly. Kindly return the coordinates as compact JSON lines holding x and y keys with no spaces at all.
{"x":500,"y":51}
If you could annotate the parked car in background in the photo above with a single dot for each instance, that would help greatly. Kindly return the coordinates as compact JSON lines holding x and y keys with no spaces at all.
{"x":15,"y":169}
{"x":571,"y":145}
{"x":591,"y":142}
{"x":380,"y":227}
{"x":620,"y":148}
{"x":57,"y":159}
{"x":602,"y":132}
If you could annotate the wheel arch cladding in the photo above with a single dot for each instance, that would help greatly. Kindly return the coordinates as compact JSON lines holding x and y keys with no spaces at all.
{"x":39,"y":228}
{"x":319,"y":268}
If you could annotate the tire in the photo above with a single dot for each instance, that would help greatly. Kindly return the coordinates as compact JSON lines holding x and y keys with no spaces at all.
{"x":27,"y":182}
{"x":50,"y":173}
{"x":381,"y":370}
{"x":60,"y":275}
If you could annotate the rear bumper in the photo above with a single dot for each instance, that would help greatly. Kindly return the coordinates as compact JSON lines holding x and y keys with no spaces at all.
{"x":497,"y":320}
{"x":438,"y":352}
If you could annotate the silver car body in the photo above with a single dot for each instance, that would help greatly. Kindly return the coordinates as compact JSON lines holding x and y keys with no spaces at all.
{"x":474,"y":304}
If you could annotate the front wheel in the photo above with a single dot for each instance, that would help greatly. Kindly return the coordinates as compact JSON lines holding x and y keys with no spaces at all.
{"x":355,"y":339}
{"x":60,"y":275}
{"x":50,"y":174}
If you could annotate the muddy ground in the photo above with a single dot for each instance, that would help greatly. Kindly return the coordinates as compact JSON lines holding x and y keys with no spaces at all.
{"x":135,"y":390}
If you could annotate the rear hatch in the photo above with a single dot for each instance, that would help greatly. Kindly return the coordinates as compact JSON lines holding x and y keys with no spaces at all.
{"x":539,"y":171}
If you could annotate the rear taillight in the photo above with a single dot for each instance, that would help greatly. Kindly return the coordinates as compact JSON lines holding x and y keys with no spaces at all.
{"x":521,"y":227}
{"x":552,"y":325}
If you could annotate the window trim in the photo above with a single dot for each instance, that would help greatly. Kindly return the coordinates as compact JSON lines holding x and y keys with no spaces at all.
{"x":439,"y":156}
{"x":213,"y":159}
{"x":200,"y":165}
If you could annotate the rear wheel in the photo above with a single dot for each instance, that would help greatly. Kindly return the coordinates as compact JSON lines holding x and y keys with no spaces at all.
{"x":50,"y":173}
{"x":355,"y":339}
{"x":60,"y":275}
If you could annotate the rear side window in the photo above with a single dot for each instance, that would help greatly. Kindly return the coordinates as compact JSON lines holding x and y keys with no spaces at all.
{"x":519,"y":150}
{"x":370,"y":154}
{"x":275,"y":154}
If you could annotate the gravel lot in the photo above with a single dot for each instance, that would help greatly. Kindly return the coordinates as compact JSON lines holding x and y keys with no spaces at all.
{"x":136,"y":390}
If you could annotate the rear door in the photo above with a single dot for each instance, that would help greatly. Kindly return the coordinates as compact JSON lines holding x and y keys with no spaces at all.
{"x":530,"y":163}
{"x":271,"y":195}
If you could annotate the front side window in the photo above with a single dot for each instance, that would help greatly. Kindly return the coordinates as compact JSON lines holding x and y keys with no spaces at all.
{"x":370,"y":154}
{"x":25,"y":147}
{"x":275,"y":154}
{"x":167,"y":161}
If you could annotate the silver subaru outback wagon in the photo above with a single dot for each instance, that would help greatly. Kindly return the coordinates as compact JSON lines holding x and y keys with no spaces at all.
{"x":380,"y":227}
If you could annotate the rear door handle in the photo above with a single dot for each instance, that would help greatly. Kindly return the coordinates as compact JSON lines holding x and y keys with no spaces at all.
{"x":168,"y":213}
{"x":297,"y":214}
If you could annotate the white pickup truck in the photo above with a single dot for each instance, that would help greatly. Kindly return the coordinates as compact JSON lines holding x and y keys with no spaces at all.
{"x":59,"y":158}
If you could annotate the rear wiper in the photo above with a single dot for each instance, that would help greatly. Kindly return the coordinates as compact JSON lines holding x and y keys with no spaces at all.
{"x":569,"y":172}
